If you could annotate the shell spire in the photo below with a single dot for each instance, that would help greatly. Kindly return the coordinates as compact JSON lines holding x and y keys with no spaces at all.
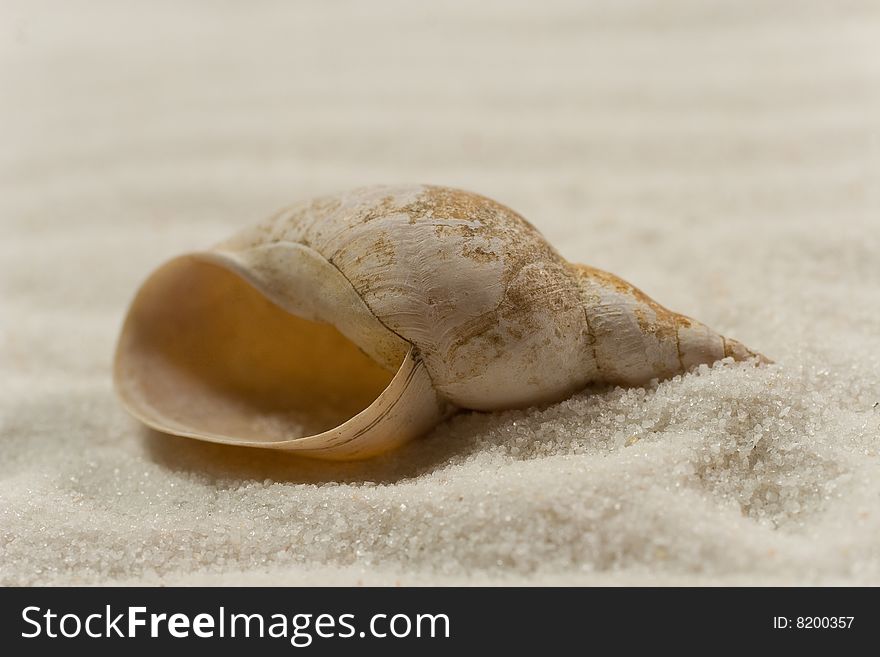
{"x":346,"y":325}
{"x":634,"y":339}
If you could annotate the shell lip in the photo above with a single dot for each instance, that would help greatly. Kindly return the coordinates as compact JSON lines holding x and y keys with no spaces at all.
{"x":353,"y":425}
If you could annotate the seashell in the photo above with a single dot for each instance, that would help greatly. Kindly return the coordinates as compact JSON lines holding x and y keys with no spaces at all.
{"x":347,"y":325}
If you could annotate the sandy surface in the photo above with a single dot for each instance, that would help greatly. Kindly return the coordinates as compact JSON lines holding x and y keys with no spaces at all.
{"x":723,"y":157}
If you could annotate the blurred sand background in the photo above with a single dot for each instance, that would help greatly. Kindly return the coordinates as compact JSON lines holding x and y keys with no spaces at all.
{"x":725,"y":157}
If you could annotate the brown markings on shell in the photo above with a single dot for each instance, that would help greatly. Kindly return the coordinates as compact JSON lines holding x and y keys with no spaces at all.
{"x":523,"y":245}
{"x":320,"y":207}
{"x":668,"y":322}
{"x":522,"y":241}
{"x":383,"y":208}
{"x":738,"y":351}
{"x":591,"y":339}
{"x":446,"y":203}
{"x":664,"y":315}
{"x":324,"y":205}
{"x":380,"y":253}
{"x":664,"y":326}
{"x":731,"y":348}
{"x":728,"y":349}
{"x":496,"y":223}
{"x":522,"y":295}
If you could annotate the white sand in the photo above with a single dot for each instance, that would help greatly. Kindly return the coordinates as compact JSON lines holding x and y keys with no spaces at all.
{"x":724,"y":157}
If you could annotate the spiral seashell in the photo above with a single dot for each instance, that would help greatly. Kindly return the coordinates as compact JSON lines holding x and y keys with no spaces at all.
{"x":344,"y":326}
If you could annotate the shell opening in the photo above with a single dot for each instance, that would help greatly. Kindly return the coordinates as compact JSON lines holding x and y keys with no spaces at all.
{"x":205,"y":353}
